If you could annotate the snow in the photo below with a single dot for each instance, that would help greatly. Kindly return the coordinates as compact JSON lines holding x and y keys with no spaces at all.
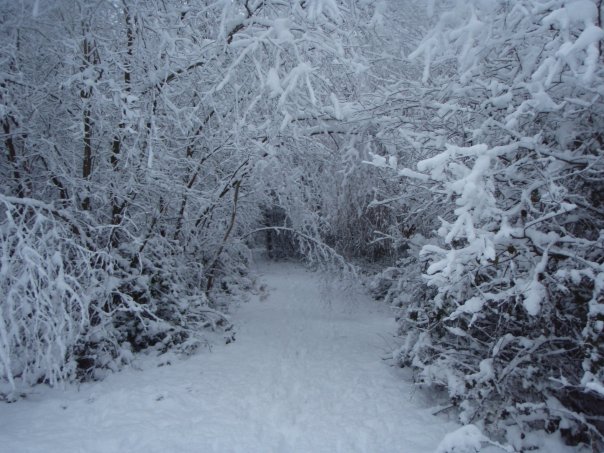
{"x":466,"y":439}
{"x":282,"y":31}
{"x":408,"y":173}
{"x":472,"y":305}
{"x":534,"y":295}
{"x":596,"y":387}
{"x":469,"y":439}
{"x":329,"y":8}
{"x":578,"y":11}
{"x":337,"y":110}
{"x":377,"y":160}
{"x":305,"y":374}
{"x":502,"y":101}
{"x":273,"y":83}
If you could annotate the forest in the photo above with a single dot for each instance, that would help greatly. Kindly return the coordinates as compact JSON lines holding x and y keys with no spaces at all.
{"x":447,"y":152}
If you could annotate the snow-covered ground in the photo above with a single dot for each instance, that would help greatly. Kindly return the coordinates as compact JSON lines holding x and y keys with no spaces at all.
{"x":306,"y":374}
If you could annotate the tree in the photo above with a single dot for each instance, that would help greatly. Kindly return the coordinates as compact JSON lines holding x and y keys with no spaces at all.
{"x":514,"y":330}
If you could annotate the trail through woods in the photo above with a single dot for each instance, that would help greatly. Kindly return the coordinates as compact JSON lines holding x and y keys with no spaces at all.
{"x":305,"y":374}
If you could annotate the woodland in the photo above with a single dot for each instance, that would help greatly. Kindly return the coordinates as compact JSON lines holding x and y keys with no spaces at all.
{"x":448,"y":152}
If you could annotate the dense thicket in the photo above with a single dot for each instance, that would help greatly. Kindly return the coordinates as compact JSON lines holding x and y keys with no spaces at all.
{"x":142,"y":144}
{"x":509,"y":313}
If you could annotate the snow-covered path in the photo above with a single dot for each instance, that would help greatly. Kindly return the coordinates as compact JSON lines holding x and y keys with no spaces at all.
{"x":305,"y":375}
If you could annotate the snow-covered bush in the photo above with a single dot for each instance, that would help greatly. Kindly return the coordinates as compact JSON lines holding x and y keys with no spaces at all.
{"x":70,"y":311}
{"x":515,"y":329}
{"x":401,"y":285}
{"x":44,"y":310}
